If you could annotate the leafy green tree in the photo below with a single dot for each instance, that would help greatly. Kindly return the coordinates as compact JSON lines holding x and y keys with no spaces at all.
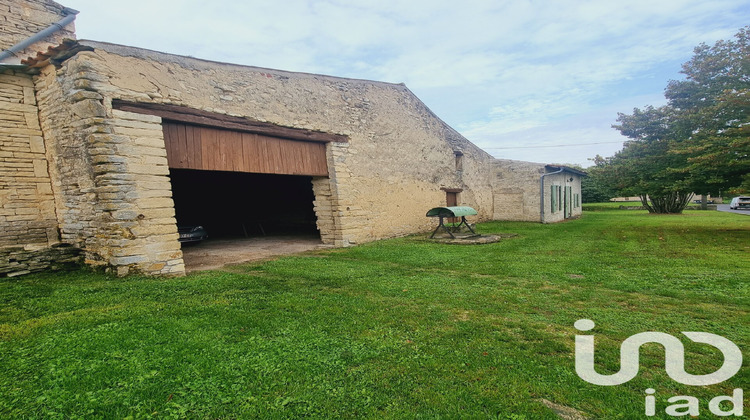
{"x":698,"y":142}
{"x":644,"y":167}
{"x":594,"y":187}
{"x":714,"y":114}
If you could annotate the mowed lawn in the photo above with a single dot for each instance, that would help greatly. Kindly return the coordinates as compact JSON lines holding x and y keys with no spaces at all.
{"x":395,"y":329}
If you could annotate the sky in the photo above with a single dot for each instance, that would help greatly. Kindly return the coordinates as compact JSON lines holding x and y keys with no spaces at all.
{"x":535,"y":80}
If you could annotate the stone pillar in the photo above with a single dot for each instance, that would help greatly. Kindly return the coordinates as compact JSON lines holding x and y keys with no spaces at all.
{"x":134,"y":190}
{"x":326,"y":198}
{"x":110,"y":173}
{"x":323,"y":206}
{"x":340,"y":181}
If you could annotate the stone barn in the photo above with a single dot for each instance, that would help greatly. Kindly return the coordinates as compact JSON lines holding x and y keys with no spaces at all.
{"x":105,"y":149}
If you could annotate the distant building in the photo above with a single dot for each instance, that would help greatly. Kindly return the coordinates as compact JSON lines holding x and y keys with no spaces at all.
{"x":532,"y":192}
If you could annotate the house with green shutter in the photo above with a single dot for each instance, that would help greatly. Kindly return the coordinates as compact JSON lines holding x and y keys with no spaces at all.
{"x":535,"y":192}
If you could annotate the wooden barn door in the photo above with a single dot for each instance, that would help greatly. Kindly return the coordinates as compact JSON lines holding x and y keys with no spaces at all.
{"x":214,"y":149}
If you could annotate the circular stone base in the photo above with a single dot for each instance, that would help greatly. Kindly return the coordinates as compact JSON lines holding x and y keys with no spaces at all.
{"x":473,"y":239}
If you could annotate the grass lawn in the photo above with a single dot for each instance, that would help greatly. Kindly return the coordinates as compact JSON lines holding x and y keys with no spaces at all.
{"x":394,"y":329}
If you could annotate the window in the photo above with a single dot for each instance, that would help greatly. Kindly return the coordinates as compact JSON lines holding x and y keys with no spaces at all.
{"x":451,"y":198}
{"x":459,"y":160}
{"x":553,"y":197}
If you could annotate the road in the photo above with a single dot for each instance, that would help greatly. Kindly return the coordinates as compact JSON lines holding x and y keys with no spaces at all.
{"x":725,"y":207}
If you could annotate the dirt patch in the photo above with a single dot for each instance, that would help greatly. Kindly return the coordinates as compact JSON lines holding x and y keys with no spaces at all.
{"x":564,"y":412}
{"x":216,"y":253}
{"x":473,"y":239}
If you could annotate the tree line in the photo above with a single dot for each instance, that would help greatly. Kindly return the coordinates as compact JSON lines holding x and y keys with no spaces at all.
{"x":699,"y":142}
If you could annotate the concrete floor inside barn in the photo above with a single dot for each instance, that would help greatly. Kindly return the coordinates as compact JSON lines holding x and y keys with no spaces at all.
{"x":216,"y":253}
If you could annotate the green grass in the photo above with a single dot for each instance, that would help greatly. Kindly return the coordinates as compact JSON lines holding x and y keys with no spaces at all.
{"x":609,"y":205}
{"x":394,"y":329}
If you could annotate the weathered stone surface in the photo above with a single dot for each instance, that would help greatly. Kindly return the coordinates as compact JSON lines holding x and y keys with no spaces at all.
{"x":110,"y":176}
{"x":72,"y":164}
{"x":516,"y":192}
{"x":27,"y":208}
{"x":398,"y":157}
{"x":19,"y":260}
{"x":88,"y":108}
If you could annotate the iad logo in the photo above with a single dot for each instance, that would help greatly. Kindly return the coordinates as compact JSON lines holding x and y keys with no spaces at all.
{"x":674,"y":364}
{"x":674,"y":357}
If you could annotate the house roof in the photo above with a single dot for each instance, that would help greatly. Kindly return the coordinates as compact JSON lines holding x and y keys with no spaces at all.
{"x":201,"y":63}
{"x":456,"y":140}
{"x":55,"y":54}
{"x":69,"y":48}
{"x":566,"y":169}
{"x":52,"y":4}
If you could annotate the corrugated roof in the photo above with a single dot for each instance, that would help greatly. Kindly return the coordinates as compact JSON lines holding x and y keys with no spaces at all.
{"x":56,"y":54}
{"x":567,"y":169}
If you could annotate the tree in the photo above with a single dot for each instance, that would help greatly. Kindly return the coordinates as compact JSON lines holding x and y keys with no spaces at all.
{"x":698,"y":142}
{"x":594,"y":187}
{"x":644,"y":167}
{"x":714,"y":106}
{"x":593,"y":190}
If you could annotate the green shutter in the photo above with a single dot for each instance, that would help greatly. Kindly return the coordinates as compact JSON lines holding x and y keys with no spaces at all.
{"x":553,"y":197}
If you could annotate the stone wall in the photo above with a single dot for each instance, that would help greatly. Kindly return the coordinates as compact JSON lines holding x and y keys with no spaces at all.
{"x":109,"y":170}
{"x":110,"y":176}
{"x":76,"y":174}
{"x":20,"y":260}
{"x":24,"y":18}
{"x":517,"y":196}
{"x":516,"y":190}
{"x":28,"y":224}
{"x":380,"y":183}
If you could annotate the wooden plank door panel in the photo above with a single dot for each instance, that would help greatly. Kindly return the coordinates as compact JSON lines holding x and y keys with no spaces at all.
{"x":195,"y":147}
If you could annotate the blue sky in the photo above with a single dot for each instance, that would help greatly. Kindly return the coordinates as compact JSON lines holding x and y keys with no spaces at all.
{"x":539,"y":80}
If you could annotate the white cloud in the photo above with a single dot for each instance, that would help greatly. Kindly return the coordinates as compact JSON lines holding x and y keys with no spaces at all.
{"x":501,"y":72}
{"x":570,"y":139}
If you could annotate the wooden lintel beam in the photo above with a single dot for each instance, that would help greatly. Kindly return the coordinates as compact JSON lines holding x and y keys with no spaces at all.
{"x":210,"y":119}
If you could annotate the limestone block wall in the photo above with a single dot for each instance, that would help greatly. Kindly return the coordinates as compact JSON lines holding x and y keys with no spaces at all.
{"x":516,"y":190}
{"x":381,"y":182}
{"x":24,"y":18}
{"x":28,"y":224}
{"x":70,"y":166}
{"x":25,"y":259}
{"x":110,"y":176}
{"x":326,"y":202}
